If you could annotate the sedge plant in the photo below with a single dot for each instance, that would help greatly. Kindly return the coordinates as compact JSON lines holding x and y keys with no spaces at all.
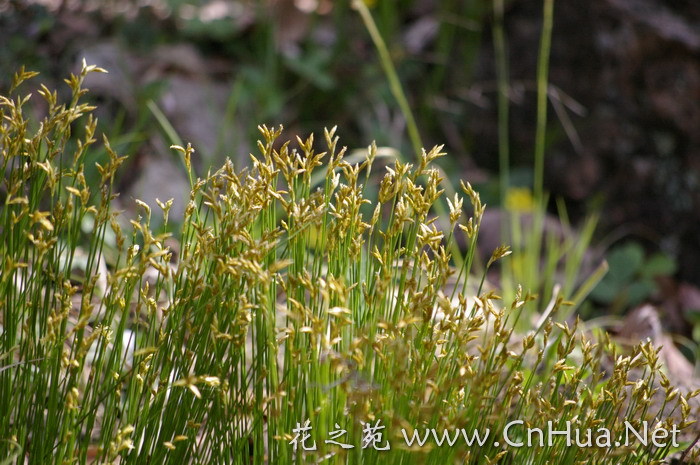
{"x":290,"y":322}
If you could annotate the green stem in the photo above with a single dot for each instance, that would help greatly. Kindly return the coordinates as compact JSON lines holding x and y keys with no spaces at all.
{"x":499,"y":43}
{"x":542,"y":84}
{"x":391,"y":74}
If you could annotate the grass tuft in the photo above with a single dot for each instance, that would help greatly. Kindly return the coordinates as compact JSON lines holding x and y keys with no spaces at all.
{"x":284,"y":305}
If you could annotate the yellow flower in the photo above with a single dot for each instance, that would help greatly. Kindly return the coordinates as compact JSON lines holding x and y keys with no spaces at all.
{"x":519,"y":199}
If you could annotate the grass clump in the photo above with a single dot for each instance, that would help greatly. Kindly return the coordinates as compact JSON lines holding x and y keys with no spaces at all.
{"x":289,"y":310}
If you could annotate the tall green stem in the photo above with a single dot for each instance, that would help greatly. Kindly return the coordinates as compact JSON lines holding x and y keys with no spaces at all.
{"x":542,"y":84}
{"x":499,"y":43}
{"x":392,"y":76}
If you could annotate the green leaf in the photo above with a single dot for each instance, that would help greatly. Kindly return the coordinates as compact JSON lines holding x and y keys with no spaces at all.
{"x":625,"y":261}
{"x":640,"y":290}
{"x":606,"y":291}
{"x":659,"y":265}
{"x":313,"y":68}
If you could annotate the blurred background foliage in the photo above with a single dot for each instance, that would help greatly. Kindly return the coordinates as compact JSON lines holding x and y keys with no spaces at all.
{"x":622,"y":139}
